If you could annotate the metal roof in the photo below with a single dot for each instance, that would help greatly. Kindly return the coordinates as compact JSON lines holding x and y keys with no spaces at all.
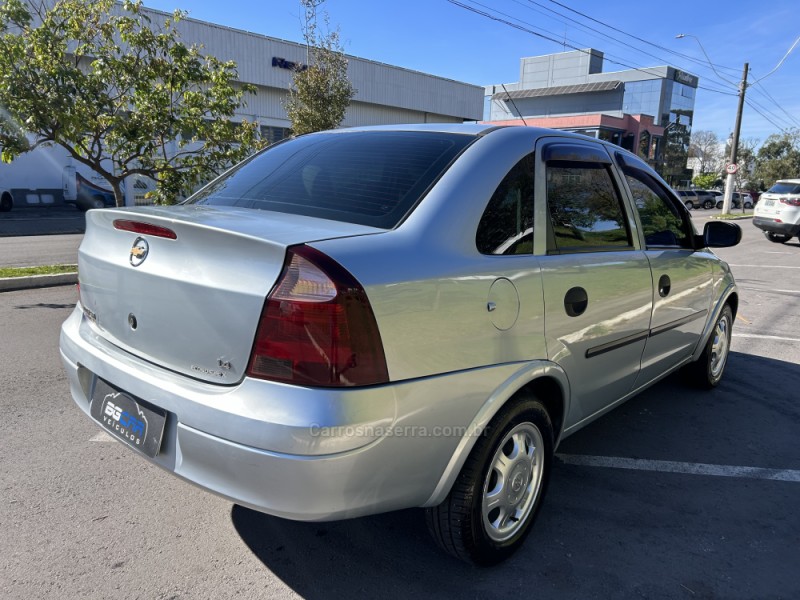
{"x":561,"y":90}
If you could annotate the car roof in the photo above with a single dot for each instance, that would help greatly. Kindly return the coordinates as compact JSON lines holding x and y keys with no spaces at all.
{"x":795,"y":181}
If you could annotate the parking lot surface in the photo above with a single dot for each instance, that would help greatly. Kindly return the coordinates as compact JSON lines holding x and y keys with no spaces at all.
{"x":675,"y":494}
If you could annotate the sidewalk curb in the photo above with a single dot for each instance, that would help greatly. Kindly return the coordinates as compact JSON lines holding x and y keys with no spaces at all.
{"x":11,"y":284}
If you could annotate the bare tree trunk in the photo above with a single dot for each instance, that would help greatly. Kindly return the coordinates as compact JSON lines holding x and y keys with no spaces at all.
{"x":119,"y":193}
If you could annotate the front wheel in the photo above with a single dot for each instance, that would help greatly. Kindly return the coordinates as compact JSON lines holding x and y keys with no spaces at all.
{"x":495,"y":499}
{"x":719,"y":204}
{"x":707,"y":371}
{"x":689,"y":204}
{"x":748,"y":205}
{"x":708,"y":204}
{"x":777,"y":238}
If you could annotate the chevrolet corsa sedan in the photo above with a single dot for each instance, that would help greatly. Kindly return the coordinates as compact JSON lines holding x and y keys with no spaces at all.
{"x":366,"y":320}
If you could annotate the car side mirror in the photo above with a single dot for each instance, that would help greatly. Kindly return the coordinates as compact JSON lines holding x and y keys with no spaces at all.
{"x":719,"y":234}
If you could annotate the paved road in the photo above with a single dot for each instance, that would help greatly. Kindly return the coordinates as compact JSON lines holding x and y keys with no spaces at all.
{"x":82,"y":516}
{"x":26,"y":251}
{"x":42,"y":221}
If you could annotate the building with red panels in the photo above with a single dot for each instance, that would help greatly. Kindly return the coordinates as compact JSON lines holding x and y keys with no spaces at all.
{"x":648,"y":111}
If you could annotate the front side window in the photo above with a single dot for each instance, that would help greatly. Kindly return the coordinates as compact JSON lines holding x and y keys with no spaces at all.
{"x":506,"y":226}
{"x":586,"y":213}
{"x":661,"y":220}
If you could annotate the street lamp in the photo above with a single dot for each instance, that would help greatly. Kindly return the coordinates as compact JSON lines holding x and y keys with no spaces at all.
{"x":732,"y":167}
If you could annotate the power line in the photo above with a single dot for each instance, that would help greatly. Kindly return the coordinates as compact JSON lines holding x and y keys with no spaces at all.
{"x":630,"y":35}
{"x":607,"y":37}
{"x":753,"y":104}
{"x":750,"y":104}
{"x":763,"y":90}
{"x":564,"y":43}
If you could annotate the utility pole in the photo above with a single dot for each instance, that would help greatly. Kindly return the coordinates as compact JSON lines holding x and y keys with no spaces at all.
{"x":730,"y":181}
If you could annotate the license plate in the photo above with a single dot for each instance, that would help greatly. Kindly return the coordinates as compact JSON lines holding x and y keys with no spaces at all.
{"x":135,"y":422}
{"x":769,"y":203}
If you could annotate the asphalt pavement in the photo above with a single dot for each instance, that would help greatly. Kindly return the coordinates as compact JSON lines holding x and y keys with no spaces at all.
{"x":678,"y":493}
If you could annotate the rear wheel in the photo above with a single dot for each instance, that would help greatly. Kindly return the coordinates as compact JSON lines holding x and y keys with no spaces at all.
{"x":707,"y":371}
{"x":748,"y":205}
{"x":778,"y":238}
{"x":708,"y":204}
{"x":688,"y":204}
{"x":98,"y":202}
{"x":496,"y":497}
{"x":719,"y":204}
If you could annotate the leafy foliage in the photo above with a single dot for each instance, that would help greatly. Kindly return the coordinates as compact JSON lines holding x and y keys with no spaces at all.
{"x":778,"y":158}
{"x":321,"y":91}
{"x":116,"y":90}
{"x":706,"y":181}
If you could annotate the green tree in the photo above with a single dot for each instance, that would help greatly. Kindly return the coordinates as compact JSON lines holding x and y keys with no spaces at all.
{"x":321,"y":91}
{"x":115,"y":91}
{"x":778,"y":158}
{"x":706,"y":181}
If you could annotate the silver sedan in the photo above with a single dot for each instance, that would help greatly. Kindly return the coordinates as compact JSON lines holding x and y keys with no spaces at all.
{"x":373,"y":319}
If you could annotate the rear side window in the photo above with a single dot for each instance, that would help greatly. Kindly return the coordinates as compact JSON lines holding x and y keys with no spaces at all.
{"x":506,"y":226}
{"x":784,"y":187}
{"x":585,"y":208}
{"x":369,"y":178}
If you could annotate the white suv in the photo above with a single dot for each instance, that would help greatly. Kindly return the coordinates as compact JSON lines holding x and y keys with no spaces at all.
{"x":778,"y":211}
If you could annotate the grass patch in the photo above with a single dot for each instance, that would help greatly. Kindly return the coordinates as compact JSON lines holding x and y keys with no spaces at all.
{"x":6,"y":272}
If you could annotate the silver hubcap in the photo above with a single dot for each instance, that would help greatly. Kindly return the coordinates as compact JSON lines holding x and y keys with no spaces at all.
{"x":512,"y":482}
{"x":720,"y":346}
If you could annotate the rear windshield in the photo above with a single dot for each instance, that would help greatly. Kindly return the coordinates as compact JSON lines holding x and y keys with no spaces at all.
{"x":370,"y":178}
{"x":785,"y":187}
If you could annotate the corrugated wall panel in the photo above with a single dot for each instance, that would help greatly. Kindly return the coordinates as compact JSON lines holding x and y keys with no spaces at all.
{"x":376,"y":83}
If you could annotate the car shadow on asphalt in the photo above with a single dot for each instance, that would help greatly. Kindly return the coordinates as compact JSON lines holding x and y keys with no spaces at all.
{"x":601,"y":532}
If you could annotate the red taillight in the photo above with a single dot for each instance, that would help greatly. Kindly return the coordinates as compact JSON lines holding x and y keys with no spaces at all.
{"x":317,"y":327}
{"x":791,"y":201}
{"x":145,"y":228}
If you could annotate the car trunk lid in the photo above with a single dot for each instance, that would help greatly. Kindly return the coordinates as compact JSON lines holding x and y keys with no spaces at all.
{"x":190,"y":304}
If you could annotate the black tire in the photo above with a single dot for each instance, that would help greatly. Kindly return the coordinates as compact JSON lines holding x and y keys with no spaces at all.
{"x":777,"y":238}
{"x":748,"y":205}
{"x":458,"y":524}
{"x":707,"y":204}
{"x":688,"y":204}
{"x":707,"y":371}
{"x":98,"y":202}
{"x":6,"y":202}
{"x":719,"y":204}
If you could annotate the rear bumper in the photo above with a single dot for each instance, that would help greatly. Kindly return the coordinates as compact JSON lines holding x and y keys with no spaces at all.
{"x":298,"y":453}
{"x":772,"y":226}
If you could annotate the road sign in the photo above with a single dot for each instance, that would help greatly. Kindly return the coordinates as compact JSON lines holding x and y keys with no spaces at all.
{"x":732,"y":168}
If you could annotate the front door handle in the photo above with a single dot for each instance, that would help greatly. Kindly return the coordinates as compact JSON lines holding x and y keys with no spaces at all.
{"x":576,"y":301}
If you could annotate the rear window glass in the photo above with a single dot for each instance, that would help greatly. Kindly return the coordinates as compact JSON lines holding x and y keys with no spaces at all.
{"x":784,"y":187}
{"x":369,"y":178}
